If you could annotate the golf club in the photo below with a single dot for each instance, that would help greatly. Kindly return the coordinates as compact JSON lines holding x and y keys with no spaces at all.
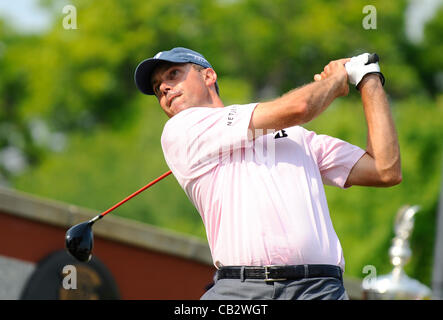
{"x":79,"y":238}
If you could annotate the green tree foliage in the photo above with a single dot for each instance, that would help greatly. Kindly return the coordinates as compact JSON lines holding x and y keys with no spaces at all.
{"x":80,"y":83}
{"x":426,"y":56}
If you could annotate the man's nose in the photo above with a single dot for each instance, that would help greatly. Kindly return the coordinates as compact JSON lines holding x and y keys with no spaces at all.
{"x":165,"y":87}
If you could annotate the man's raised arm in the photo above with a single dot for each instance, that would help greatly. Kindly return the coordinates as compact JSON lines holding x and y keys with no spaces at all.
{"x":303,"y":104}
{"x":380,"y":166}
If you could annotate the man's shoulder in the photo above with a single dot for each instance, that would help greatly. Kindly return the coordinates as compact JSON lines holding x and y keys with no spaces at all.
{"x":184,"y":121}
{"x":197,"y":120}
{"x":203,"y":110}
{"x":189,"y":116}
{"x":297,"y":130}
{"x":192,"y":112}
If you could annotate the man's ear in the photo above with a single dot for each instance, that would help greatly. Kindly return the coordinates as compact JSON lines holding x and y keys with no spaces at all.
{"x":210,"y":77}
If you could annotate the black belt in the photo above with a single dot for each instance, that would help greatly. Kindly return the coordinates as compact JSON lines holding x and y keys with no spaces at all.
{"x":280,"y":273}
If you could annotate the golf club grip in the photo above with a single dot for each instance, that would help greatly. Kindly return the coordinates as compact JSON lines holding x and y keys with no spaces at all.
{"x":373,"y":58}
{"x":135,"y":193}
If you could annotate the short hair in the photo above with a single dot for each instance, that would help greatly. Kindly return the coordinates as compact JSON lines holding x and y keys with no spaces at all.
{"x":200,"y":68}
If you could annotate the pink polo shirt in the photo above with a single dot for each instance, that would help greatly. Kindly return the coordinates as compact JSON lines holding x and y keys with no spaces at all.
{"x":262,"y":201}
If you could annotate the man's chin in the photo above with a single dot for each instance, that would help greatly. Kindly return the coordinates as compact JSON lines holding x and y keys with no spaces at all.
{"x":179,"y":108}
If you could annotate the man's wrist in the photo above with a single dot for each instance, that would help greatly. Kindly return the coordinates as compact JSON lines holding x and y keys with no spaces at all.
{"x":370,"y":81}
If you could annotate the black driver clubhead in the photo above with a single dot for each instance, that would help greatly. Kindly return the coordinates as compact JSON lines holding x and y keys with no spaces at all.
{"x":80,"y":240}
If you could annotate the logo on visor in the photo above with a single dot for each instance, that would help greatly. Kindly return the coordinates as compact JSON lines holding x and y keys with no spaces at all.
{"x":197,"y":57}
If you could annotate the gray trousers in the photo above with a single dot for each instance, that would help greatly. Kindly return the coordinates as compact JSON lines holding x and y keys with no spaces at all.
{"x":256,"y":289}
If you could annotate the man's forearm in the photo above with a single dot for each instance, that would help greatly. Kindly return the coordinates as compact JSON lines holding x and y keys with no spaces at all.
{"x":382,"y":142}
{"x":296,"y":107}
{"x":317,"y":97}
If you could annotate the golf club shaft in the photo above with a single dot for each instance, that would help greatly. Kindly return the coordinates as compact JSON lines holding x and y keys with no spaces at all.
{"x":130,"y":197}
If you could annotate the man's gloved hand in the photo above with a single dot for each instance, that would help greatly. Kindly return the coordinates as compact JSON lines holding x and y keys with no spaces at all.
{"x":358,"y":67}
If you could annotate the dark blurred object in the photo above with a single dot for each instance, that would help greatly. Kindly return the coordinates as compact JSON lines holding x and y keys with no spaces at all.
{"x":94,"y":280}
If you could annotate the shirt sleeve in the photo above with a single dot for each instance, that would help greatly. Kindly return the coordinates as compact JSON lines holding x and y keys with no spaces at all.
{"x":335,"y":158}
{"x":198,"y":139}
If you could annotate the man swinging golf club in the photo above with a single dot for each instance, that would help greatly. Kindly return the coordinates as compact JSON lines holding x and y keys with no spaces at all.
{"x":267,"y":220}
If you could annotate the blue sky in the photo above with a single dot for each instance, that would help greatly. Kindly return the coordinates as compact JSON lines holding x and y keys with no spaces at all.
{"x":418,"y":13}
{"x":25,"y":15}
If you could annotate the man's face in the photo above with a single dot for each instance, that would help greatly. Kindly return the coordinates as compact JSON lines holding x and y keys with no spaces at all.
{"x":179,"y":87}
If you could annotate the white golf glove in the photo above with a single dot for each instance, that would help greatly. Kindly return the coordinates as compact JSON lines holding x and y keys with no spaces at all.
{"x":358,"y":67}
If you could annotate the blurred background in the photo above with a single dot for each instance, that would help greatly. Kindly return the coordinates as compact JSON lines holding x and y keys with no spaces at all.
{"x":74,"y":128}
